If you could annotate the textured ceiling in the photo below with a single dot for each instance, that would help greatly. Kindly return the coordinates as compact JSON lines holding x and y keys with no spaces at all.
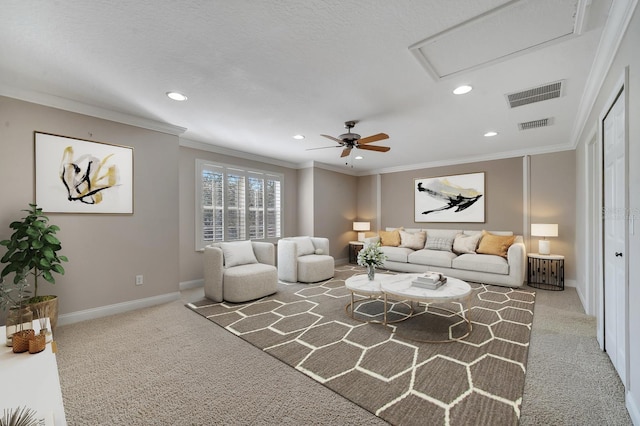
{"x":258,"y":72}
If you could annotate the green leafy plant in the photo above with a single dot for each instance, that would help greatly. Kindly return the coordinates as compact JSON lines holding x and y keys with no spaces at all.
{"x":33,"y":250}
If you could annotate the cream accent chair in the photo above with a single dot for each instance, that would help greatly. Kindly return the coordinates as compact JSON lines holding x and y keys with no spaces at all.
{"x":305,"y":259}
{"x":239,"y":271}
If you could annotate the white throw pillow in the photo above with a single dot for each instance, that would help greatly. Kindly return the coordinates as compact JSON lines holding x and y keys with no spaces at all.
{"x":305,"y":246}
{"x":238,"y":253}
{"x":466,"y":243}
{"x":412,"y":240}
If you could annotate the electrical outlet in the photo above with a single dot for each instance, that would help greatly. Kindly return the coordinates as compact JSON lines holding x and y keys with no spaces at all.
{"x":139,"y":280}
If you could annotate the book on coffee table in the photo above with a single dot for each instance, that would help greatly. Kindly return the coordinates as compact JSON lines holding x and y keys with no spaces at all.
{"x":429,"y":285}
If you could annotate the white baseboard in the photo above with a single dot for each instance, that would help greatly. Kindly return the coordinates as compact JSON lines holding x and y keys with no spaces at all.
{"x":571,"y":283}
{"x":186,"y":285}
{"x":632,"y":408}
{"x":117,"y":308}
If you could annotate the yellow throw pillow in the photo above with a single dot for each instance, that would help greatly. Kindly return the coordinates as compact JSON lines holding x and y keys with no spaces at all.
{"x":389,"y":238}
{"x":495,"y":244}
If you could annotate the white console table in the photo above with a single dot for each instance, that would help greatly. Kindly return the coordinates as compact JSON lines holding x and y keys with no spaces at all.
{"x":31,"y":380}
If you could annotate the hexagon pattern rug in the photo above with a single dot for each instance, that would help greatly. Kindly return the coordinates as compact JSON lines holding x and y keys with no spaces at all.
{"x":476,"y":380}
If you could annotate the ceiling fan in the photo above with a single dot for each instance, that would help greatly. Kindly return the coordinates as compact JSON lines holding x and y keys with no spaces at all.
{"x":349,"y":140}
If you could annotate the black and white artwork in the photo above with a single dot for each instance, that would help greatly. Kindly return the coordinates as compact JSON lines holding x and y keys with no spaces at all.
{"x":456,"y":198}
{"x":80,"y":176}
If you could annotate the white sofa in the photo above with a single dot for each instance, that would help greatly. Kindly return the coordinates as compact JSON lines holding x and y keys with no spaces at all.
{"x":506,"y":271}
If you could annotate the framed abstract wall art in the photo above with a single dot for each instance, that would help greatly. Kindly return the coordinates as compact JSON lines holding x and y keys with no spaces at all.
{"x":81,"y":176}
{"x":456,"y":198}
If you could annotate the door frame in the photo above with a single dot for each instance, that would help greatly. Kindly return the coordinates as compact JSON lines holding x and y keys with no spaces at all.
{"x":619,"y":90}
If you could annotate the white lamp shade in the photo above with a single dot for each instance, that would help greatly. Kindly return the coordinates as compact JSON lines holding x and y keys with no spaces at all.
{"x":544,"y":229}
{"x":361,"y":226}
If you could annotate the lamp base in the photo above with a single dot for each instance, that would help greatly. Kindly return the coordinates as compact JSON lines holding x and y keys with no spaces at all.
{"x":360,"y":236}
{"x":544,"y":247}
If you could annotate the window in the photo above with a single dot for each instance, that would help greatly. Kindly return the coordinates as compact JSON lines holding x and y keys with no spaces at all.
{"x":235,"y":204}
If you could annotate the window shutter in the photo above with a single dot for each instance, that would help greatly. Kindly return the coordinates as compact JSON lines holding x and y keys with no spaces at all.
{"x":256,"y":208}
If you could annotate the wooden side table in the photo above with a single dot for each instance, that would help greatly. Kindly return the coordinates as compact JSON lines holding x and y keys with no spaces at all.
{"x":546,"y":271}
{"x":354,"y":249}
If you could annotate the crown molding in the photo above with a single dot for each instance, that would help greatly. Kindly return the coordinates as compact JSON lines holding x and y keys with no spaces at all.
{"x":614,"y":30}
{"x":205,"y":146}
{"x":472,"y":159}
{"x":90,"y":110}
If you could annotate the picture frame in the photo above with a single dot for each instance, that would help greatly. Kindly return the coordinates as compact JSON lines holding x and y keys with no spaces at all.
{"x":453,"y":198}
{"x":82,"y":176}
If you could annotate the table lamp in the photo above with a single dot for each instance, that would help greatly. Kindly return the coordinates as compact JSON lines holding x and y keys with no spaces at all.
{"x":361,"y":226}
{"x":544,"y":230}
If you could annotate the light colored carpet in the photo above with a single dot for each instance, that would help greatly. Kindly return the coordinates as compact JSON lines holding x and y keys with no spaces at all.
{"x":166,"y":365}
{"x":569,"y":381}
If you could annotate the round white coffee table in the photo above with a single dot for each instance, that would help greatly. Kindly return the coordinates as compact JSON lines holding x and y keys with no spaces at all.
{"x":370,"y":290}
{"x":453,"y":290}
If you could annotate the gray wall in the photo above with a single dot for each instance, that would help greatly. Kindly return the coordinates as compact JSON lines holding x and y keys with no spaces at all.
{"x":503,"y":196}
{"x":305,"y":204}
{"x":553,"y":200}
{"x":335,"y":209}
{"x":190,"y":259}
{"x":105,"y":252}
{"x":367,"y":196}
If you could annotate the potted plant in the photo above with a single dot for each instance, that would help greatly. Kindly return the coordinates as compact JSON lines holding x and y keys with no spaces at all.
{"x":371,"y":256}
{"x":33,"y":250}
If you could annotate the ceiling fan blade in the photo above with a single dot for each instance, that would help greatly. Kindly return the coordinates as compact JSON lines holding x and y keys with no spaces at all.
{"x":374,"y":148}
{"x":374,"y":138}
{"x":346,"y":152}
{"x":324,"y":147}
{"x":333,"y":139}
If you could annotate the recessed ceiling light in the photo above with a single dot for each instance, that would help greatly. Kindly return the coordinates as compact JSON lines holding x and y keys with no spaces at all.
{"x":359,"y":157}
{"x":298,"y":137}
{"x":461,"y":90}
{"x":176,"y":96}
{"x":489,"y":134}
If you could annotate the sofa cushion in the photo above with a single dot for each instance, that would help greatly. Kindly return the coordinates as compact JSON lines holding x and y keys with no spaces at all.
{"x":396,"y":254}
{"x":481,"y":263}
{"x":314,"y":268}
{"x":439,"y":243}
{"x":412,"y":240}
{"x":495,"y":244}
{"x":305,"y":245}
{"x":432,"y":258}
{"x":238,"y":253}
{"x":466,"y":243}
{"x":390,"y":238}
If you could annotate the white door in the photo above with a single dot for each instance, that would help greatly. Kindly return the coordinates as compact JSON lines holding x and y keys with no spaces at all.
{"x":615,"y":229}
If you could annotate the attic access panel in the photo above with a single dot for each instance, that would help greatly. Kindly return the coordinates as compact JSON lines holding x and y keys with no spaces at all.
{"x":511,"y":29}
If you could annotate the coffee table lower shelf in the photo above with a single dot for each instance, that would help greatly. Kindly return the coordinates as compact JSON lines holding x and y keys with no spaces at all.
{"x":454,"y":291}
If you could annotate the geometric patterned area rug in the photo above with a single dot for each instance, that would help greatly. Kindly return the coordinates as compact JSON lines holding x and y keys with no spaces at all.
{"x":478,"y":380}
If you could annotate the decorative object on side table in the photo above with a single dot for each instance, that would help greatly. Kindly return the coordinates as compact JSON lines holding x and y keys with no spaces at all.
{"x":14,"y":295}
{"x":544,"y":230}
{"x":33,"y":250}
{"x":361,"y":227}
{"x":371,"y":256}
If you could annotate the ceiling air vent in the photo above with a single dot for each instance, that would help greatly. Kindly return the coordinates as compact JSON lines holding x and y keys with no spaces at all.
{"x":536,"y":94}
{"x":544,"y":122}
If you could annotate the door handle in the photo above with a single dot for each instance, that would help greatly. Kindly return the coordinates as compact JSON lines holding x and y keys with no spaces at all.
{"x":618,"y":254}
